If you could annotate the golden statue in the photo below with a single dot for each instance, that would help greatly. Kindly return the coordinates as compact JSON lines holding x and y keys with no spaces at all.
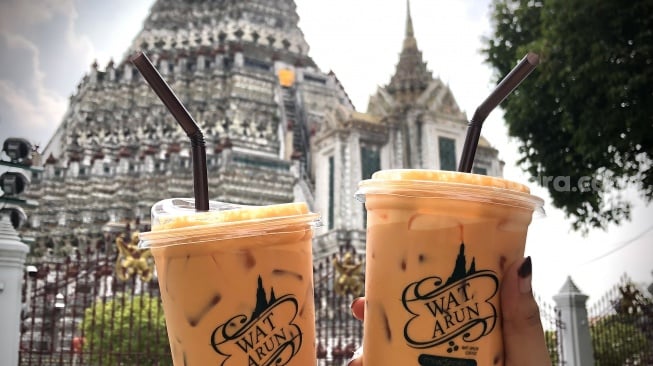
{"x":349,"y":276}
{"x":132,"y":260}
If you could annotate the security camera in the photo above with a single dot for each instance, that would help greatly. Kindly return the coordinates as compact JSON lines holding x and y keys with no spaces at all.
{"x":32,"y":271}
{"x":17,"y":148}
{"x":17,"y":216}
{"x":13,"y":183}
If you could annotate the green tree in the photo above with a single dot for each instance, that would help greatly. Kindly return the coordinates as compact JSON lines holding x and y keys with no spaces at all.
{"x":616,"y":339}
{"x":551,"y":339}
{"x":587,"y":110}
{"x":625,"y":337}
{"x":127,"y":331}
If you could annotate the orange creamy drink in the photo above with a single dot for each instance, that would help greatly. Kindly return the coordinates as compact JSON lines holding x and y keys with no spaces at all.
{"x":236,"y":282}
{"x":437,"y":246}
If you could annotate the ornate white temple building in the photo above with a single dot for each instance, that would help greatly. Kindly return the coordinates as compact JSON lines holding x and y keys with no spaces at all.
{"x":277,"y":128}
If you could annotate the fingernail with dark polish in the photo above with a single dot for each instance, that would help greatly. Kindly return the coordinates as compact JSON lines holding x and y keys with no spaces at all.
{"x":524,"y":272}
{"x":526,"y":268}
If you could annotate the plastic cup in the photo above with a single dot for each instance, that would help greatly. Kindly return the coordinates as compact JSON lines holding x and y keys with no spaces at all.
{"x":236,"y":282}
{"x":437,"y":246}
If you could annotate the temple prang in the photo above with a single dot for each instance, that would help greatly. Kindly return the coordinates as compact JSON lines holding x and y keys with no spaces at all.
{"x":277,"y":128}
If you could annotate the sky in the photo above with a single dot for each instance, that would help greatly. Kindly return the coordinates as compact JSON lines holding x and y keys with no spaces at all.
{"x":46,"y":46}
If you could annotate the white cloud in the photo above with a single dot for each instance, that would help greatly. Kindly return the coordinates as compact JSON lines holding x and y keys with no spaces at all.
{"x":20,"y":14}
{"x":32,"y":106}
{"x":15,"y":43}
{"x":81,"y":46}
{"x":27,"y":118}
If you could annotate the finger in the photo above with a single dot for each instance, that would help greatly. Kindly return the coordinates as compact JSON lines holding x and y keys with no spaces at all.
{"x":356,"y":362}
{"x":523,"y":335}
{"x":357,"y":359}
{"x":358,"y":308}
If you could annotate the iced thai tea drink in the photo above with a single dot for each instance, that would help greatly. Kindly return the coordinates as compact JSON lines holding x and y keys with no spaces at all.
{"x":437,"y":246}
{"x":236,"y":282}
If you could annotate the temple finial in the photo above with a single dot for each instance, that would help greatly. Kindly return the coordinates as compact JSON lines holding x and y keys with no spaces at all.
{"x":411,"y":75}
{"x":409,"y":40}
{"x":409,"y":21}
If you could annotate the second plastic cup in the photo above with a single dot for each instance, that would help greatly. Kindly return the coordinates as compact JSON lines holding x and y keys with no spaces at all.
{"x":437,"y":246}
{"x":236,"y":282}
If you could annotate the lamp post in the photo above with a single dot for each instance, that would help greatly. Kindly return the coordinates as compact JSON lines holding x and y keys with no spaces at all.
{"x":31,"y":271}
{"x":15,"y":176}
{"x":12,"y":259}
{"x":59,"y":307}
{"x":59,"y":302}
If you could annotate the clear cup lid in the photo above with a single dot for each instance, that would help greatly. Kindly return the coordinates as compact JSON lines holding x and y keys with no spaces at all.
{"x":177,"y":217}
{"x":434,"y":184}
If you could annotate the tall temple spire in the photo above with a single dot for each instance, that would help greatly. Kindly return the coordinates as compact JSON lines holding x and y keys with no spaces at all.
{"x":120,"y":151}
{"x":410,"y":34}
{"x":411,"y":75}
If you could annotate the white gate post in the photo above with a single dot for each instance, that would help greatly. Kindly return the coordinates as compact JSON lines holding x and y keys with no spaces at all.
{"x":12,"y":261}
{"x":576,"y":340}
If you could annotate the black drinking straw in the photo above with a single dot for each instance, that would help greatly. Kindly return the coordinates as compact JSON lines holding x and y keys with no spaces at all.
{"x":505,"y":87}
{"x":168,"y":97}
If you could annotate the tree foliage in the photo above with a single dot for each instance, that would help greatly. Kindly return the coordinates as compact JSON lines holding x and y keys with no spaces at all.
{"x":618,"y":341}
{"x":586,"y":113}
{"x":625,"y":337}
{"x":553,"y":346}
{"x":127,"y":330}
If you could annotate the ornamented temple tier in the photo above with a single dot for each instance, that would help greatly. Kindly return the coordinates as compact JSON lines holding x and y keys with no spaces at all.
{"x":277,"y":128}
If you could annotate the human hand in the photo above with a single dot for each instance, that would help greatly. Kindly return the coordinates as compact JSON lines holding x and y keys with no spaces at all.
{"x":523,"y":335}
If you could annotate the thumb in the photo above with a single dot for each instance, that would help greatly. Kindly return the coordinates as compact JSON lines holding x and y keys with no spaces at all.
{"x":523,"y":335}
